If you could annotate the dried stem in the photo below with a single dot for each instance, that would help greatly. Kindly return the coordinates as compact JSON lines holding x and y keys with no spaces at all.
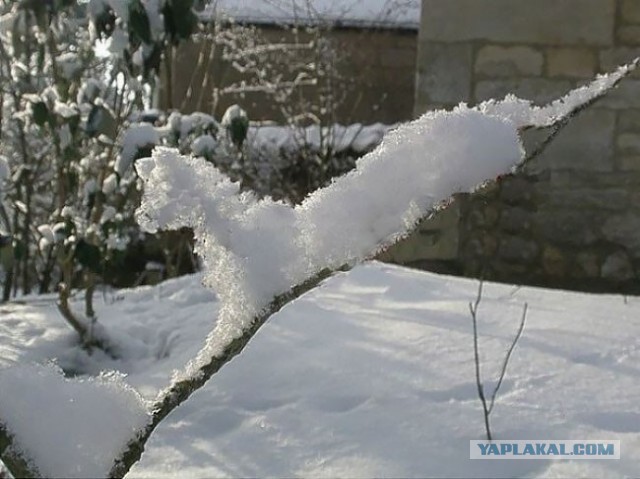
{"x":487,"y":409}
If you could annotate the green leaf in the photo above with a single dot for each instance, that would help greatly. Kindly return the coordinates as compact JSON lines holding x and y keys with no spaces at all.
{"x":180,"y":21}
{"x":238,"y":129}
{"x":62,"y":4}
{"x":40,"y":113}
{"x":152,"y":61}
{"x":6,"y":252}
{"x":105,"y":22}
{"x":19,"y":250}
{"x":101,"y":122}
{"x":61,"y":231}
{"x":139,"y":22}
{"x":89,"y":256}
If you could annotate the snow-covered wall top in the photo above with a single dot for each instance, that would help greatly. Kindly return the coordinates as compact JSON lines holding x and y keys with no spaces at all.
{"x":366,"y":13}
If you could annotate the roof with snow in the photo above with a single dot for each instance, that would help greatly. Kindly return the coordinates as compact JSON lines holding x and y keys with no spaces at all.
{"x":403,"y":14}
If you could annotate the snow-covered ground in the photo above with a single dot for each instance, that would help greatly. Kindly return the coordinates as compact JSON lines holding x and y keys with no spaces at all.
{"x":157,"y":329}
{"x":75,"y":426}
{"x":369,"y":375}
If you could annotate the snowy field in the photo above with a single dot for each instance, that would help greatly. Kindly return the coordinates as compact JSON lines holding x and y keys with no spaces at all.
{"x":369,"y":375}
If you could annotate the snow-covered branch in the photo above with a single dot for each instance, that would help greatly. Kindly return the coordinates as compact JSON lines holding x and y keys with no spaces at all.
{"x":261,"y":254}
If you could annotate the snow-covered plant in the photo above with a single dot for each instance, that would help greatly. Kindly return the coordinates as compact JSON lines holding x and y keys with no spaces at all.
{"x":266,"y":159}
{"x":74,"y":73}
{"x":256,"y":269}
{"x":295,"y":71}
{"x":260,"y":254}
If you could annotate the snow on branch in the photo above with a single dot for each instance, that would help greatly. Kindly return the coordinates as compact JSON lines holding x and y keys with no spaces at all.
{"x":260,"y":255}
{"x":255,"y":250}
{"x":525,"y":114}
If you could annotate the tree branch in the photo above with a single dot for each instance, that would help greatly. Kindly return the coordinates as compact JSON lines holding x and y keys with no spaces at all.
{"x":182,"y":390}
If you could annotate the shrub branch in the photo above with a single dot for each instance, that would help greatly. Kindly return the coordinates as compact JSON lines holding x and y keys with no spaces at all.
{"x":488,"y":408}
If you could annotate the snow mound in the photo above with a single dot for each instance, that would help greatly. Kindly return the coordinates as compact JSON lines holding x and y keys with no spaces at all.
{"x":86,"y":421}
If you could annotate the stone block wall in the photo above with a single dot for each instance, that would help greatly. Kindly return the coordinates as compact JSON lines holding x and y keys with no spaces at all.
{"x":572,"y":219}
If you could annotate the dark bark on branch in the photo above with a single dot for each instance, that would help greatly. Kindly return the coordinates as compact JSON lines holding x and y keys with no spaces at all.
{"x":4,"y":471}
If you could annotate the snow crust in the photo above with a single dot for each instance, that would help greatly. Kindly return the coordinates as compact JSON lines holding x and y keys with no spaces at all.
{"x":81,"y":425}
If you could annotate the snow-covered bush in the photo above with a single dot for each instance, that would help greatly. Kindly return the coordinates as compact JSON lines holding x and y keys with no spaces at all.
{"x":74,"y":73}
{"x":266,"y":159}
{"x":295,"y":73}
{"x":81,"y":76}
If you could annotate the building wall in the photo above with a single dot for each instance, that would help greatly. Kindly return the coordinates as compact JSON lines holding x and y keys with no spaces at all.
{"x":572,"y":219}
{"x":380,"y":63}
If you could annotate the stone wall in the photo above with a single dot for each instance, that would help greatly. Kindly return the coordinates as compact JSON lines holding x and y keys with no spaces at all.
{"x":380,"y":62}
{"x":572,"y":219}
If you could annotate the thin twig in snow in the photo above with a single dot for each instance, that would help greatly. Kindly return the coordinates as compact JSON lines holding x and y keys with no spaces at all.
{"x":473,"y":309}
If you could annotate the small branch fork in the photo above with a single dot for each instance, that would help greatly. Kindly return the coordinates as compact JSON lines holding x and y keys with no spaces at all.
{"x":488,"y":408}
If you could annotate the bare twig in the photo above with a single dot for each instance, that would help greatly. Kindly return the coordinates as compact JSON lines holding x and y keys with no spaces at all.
{"x":503,"y":371}
{"x":182,"y":390}
{"x":473,"y":309}
{"x":487,"y":409}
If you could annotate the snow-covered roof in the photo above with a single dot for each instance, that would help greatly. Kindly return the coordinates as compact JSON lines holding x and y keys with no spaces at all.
{"x":356,"y":13}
